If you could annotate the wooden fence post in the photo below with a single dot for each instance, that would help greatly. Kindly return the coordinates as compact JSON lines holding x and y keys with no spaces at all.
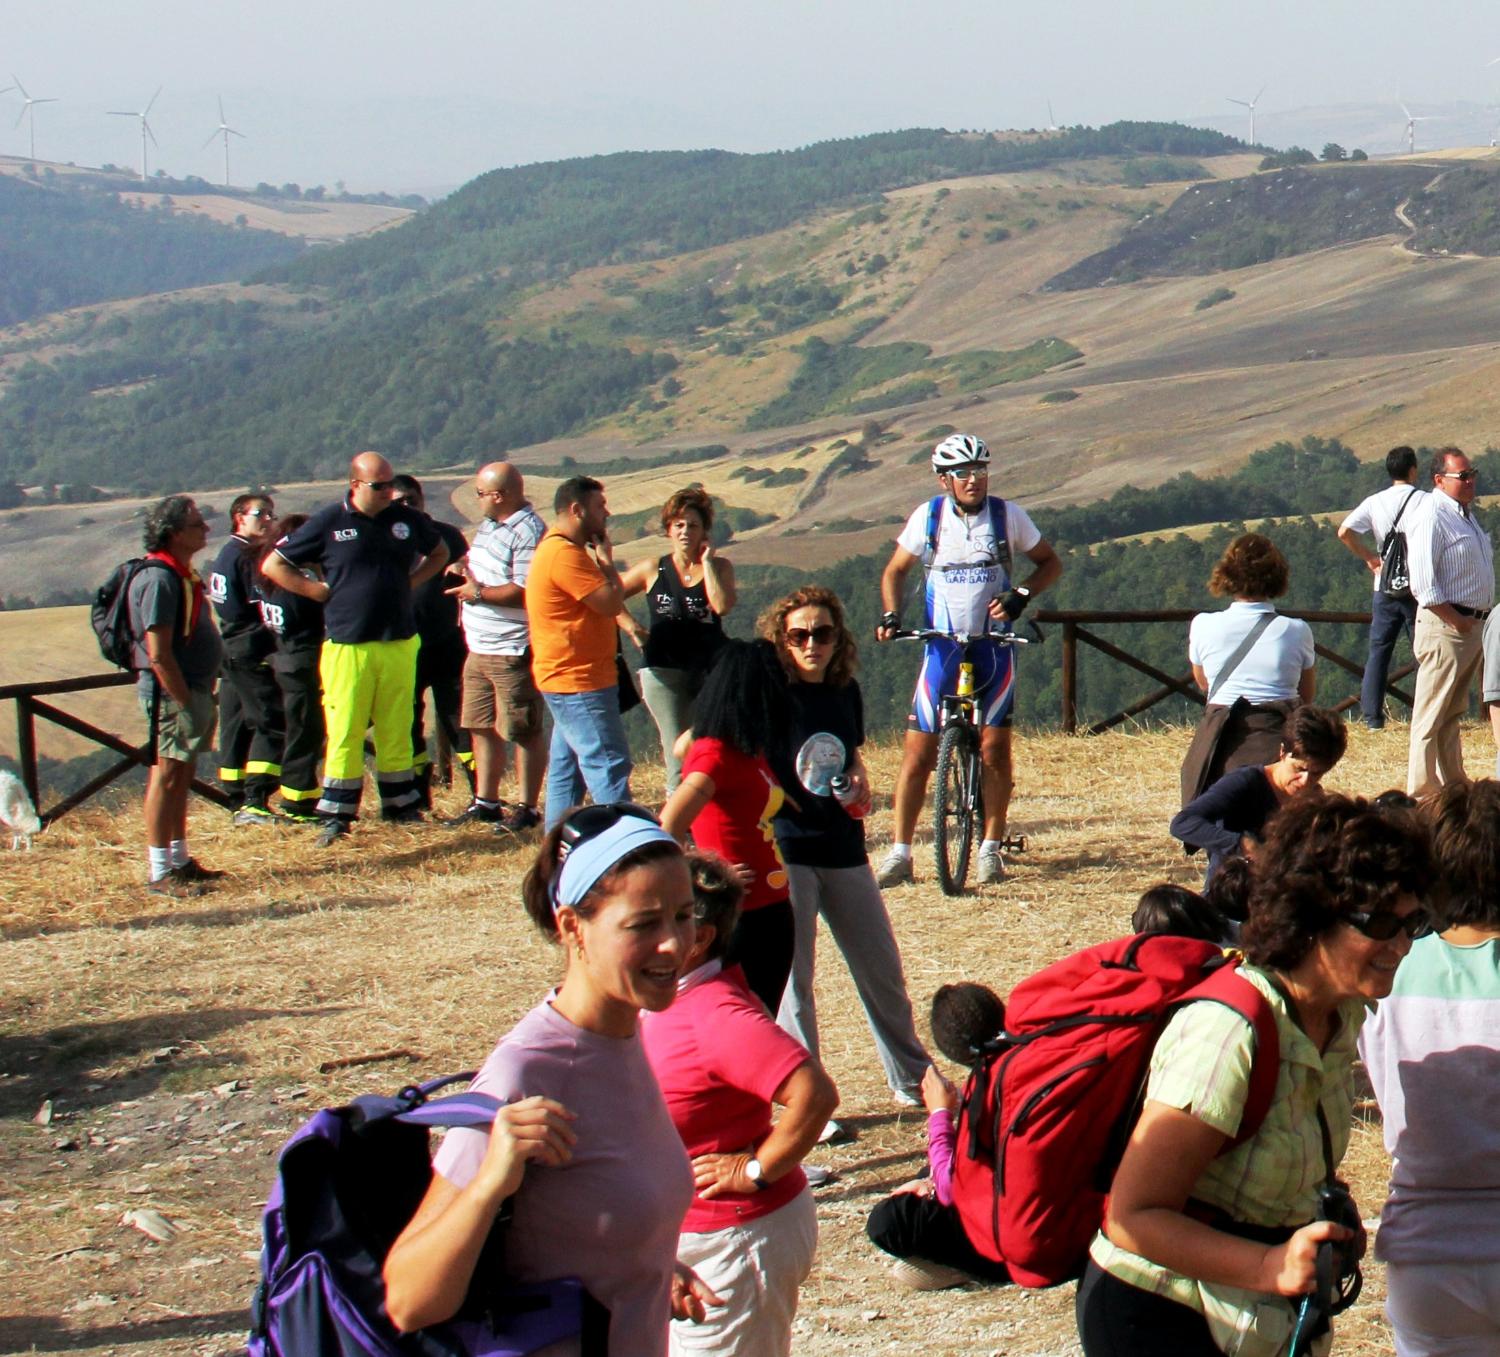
{"x":1070,"y":678}
{"x":26,"y":748}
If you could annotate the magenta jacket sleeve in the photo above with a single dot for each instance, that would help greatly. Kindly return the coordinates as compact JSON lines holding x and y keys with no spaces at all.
{"x":941,"y":1139}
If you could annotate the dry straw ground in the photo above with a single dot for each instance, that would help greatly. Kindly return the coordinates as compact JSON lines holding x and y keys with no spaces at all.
{"x":178,"y":1043}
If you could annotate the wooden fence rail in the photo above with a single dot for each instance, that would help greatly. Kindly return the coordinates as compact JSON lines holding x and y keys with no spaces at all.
{"x":1076,"y":631}
{"x":27,"y":697}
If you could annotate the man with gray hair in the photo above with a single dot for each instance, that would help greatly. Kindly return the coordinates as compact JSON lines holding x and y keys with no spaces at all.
{"x":500,"y":698}
{"x":176,"y":654}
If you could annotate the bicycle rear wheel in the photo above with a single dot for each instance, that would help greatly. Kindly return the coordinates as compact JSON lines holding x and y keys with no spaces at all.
{"x":955,"y":805}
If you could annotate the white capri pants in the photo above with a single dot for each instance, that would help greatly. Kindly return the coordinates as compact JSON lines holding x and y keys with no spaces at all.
{"x":756,"y":1269}
{"x":1444,"y":1309}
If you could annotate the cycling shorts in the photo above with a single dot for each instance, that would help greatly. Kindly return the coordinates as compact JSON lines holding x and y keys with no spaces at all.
{"x":994,"y":683}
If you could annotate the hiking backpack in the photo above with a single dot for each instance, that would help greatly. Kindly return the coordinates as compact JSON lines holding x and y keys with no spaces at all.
{"x":1050,"y":1103}
{"x":348,"y":1182}
{"x":110,"y":612}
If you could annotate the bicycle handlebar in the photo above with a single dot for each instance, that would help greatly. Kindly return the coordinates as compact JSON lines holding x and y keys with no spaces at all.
{"x":1005,"y":638}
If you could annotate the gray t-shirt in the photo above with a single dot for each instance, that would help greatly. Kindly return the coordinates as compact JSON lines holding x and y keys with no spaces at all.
{"x":156,"y":597}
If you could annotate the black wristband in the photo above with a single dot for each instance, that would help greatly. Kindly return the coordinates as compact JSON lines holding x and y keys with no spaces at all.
{"x":1015,"y":603}
{"x":890,"y":622}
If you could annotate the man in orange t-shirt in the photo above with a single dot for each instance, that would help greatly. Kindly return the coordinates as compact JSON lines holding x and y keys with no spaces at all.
{"x":573,"y":595}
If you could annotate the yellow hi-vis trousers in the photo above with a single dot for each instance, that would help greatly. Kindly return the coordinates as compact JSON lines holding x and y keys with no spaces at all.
{"x":368,"y":684}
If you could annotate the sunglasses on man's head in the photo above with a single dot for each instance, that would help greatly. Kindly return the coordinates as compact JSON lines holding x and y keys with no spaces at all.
{"x":797,"y":637}
{"x":1382,"y":925}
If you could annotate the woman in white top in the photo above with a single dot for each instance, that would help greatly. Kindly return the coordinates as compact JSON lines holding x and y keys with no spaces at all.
{"x":1253,"y":665}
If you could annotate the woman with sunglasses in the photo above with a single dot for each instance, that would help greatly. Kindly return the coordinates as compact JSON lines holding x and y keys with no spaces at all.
{"x":727,"y":799}
{"x":584,"y":1149}
{"x":1203,"y":1240}
{"x":688,"y":591}
{"x":1433,"y":1054}
{"x":822,"y":835}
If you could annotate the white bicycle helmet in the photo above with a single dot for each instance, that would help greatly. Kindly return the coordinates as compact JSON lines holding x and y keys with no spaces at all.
{"x":959,"y":449}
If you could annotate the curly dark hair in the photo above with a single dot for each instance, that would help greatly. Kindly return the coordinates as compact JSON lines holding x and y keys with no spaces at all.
{"x":165,"y":518}
{"x":964,"y":1017}
{"x":772,"y":627}
{"x":536,"y":885}
{"x":1323,"y":859}
{"x":743,"y":701}
{"x":288,"y":526}
{"x":1465,"y":819}
{"x":1252,"y":567}
{"x":693,"y":497}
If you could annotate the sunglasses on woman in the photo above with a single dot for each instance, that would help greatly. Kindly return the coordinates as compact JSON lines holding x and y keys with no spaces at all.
{"x":797,"y":637}
{"x":1382,"y":925}
{"x":588,"y":822}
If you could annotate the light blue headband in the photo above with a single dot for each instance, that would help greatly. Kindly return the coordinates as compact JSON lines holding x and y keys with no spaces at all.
{"x":591,"y":859}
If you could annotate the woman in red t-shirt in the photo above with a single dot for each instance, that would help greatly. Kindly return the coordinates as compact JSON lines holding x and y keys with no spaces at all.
{"x":727,"y":798}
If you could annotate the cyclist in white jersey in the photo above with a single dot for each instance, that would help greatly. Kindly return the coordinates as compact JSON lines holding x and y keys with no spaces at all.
{"x":966,"y":540}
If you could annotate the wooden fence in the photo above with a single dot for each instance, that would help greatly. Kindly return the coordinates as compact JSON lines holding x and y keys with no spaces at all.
{"x":29,"y":706}
{"x":1076,"y":631}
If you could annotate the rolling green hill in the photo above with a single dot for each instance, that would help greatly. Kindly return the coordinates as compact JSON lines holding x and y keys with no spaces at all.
{"x":63,"y":245}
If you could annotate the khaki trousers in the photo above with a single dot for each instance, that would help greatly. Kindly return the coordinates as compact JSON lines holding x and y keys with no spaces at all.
{"x":1447,"y":663}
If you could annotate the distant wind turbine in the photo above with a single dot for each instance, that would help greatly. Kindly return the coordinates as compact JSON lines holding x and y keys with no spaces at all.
{"x":1412,"y":120}
{"x":226,"y":131}
{"x":1250,"y":105}
{"x":28,"y":111}
{"x":145,"y":127}
{"x":1051,"y":121}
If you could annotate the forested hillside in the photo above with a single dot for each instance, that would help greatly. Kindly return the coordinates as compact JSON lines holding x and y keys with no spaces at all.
{"x":1248,"y":221}
{"x":565,"y":215}
{"x":62,"y":246}
{"x":417,"y":340}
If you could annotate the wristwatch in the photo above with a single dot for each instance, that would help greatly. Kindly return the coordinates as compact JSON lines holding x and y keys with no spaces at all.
{"x":478,"y":595}
{"x":756,"y":1174}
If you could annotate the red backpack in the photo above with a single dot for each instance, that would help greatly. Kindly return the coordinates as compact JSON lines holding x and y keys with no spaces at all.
{"x":1050,"y":1104}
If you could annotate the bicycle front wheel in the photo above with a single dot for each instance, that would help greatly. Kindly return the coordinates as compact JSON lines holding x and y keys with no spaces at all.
{"x":955,"y":805}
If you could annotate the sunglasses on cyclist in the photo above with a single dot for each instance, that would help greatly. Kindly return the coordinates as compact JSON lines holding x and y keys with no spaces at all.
{"x":968,"y":473}
{"x":593,"y":839}
{"x":588,"y":822}
{"x":1382,"y":925}
{"x":824,"y":635}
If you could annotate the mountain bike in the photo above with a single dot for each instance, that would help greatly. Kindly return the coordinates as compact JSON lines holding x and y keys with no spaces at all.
{"x":958,"y":785}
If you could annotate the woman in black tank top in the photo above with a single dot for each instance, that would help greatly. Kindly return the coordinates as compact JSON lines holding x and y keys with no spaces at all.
{"x":687,"y":592}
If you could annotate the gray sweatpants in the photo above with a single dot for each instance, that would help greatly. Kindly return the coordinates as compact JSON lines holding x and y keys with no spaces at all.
{"x":852,"y":908}
{"x":668,"y":695}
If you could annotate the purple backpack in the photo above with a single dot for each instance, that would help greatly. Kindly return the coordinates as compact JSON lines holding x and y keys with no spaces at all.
{"x":348,"y":1182}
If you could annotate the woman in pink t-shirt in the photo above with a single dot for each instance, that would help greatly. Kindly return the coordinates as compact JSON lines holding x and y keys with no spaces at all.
{"x":584,"y":1148}
{"x":727,"y":798}
{"x":751,"y":1231}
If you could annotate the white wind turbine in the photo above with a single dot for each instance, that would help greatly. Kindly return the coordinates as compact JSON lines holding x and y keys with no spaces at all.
{"x":145,"y":127}
{"x":226,"y":131}
{"x":1412,"y":119}
{"x":1249,"y":105}
{"x":28,"y":110}
{"x":1051,"y":121}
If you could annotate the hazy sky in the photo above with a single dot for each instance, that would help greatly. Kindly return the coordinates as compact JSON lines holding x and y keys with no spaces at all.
{"x":421,"y":95}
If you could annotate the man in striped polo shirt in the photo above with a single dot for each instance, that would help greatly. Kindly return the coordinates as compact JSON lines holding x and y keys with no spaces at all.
{"x":500,"y":699}
{"x":1453,"y":580}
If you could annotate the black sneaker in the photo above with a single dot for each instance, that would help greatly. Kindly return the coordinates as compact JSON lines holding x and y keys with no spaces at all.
{"x":193,"y":870}
{"x":519,"y":819}
{"x":176,"y":886}
{"x":475,"y":814}
{"x":333,"y":830}
{"x":407,"y":815}
{"x":297,"y":815}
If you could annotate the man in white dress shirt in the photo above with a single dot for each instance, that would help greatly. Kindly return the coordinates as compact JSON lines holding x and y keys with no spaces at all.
{"x":1453,"y":581}
{"x":1376,"y":516}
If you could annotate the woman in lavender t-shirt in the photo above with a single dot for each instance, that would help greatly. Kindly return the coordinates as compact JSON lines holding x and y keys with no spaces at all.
{"x":584,"y":1145}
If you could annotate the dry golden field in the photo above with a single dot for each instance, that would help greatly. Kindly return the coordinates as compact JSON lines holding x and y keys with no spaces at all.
{"x":178,"y":1043}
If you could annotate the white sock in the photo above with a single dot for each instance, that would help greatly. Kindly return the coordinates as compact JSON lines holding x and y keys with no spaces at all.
{"x":179,"y":852}
{"x":900,"y":850}
{"x":160,"y":860}
{"x":990,"y":846}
